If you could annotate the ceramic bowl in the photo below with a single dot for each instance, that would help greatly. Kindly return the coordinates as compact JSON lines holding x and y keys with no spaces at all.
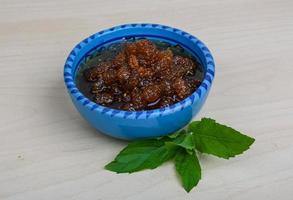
{"x":139,"y":124}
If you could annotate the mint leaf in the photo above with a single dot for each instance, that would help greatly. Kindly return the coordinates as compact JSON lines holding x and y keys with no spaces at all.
{"x":185,"y":140}
{"x":192,"y":126}
{"x":187,"y":166}
{"x":139,"y":155}
{"x":217,"y":139}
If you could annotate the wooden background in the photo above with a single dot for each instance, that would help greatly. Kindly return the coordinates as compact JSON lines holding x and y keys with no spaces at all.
{"x":47,"y":151}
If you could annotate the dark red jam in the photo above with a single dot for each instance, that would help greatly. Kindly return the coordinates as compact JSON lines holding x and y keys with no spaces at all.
{"x":139,"y":75}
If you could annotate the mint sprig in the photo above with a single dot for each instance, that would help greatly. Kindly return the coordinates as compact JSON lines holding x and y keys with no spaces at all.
{"x":205,"y":136}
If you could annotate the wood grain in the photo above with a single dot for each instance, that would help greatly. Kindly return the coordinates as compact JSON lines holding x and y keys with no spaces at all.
{"x":47,"y":151}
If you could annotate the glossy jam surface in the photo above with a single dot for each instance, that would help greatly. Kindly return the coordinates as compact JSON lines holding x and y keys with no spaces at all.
{"x":139,"y":75}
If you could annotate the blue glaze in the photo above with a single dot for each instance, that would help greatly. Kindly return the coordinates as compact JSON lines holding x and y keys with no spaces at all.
{"x":140,"y":124}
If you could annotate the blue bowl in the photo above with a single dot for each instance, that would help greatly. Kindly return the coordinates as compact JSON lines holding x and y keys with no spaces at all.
{"x":139,"y":124}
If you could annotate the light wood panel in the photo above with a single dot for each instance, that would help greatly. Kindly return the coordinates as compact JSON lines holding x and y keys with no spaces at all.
{"x":47,"y":151}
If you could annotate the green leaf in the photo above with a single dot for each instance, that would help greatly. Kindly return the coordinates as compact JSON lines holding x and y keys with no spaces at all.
{"x":219,"y":140}
{"x":139,"y":155}
{"x":188,"y":167}
{"x":192,"y":126}
{"x":185,"y":141}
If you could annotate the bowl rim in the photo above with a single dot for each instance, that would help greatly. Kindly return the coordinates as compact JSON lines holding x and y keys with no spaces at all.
{"x":143,"y":114}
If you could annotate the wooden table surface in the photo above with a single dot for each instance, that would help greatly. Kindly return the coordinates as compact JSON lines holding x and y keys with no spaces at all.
{"x":47,"y":151}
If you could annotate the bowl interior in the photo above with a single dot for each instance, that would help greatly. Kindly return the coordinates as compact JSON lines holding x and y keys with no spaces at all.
{"x":138,"y":33}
